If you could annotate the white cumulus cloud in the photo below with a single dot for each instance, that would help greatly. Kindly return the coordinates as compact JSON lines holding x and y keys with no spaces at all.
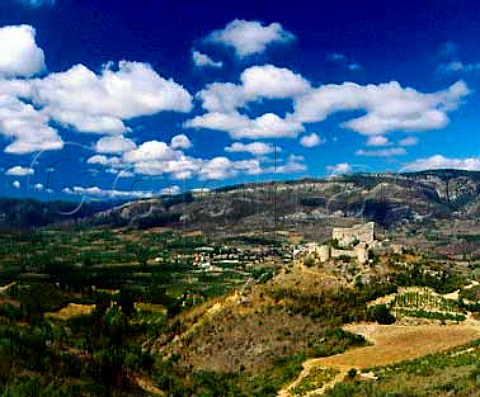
{"x":151,"y":150}
{"x":311,"y":140}
{"x":389,"y":107}
{"x":99,"y":159}
{"x":377,"y":140}
{"x":408,"y":141}
{"x":269,"y":81}
{"x":396,"y":151}
{"x":258,"y":82}
{"x":20,"y":171}
{"x":269,"y":125}
{"x":77,"y":98}
{"x":458,"y":66}
{"x":19,"y":54}
{"x":27,"y":127}
{"x":441,"y":162}
{"x":89,"y":102}
{"x":114,"y":144}
{"x":250,"y":37}
{"x":203,"y":60}
{"x":180,"y":142}
{"x":339,"y":169}
{"x":171,"y":190}
{"x":97,"y":192}
{"x":255,"y":148}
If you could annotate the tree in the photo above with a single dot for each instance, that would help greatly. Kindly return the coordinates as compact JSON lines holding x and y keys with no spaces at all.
{"x":381,"y":314}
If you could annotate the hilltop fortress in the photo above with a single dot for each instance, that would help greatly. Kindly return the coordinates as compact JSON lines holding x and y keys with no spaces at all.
{"x":352,"y":242}
{"x":358,"y":233}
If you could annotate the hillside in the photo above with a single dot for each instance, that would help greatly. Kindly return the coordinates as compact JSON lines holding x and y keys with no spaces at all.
{"x":388,"y":199}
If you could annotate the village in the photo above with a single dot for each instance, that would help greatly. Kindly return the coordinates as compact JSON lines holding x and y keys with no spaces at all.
{"x":357,"y":244}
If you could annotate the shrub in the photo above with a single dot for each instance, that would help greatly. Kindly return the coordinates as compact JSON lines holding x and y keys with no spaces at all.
{"x":352,"y":373}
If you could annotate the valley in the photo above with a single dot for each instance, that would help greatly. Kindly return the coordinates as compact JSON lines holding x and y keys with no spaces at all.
{"x":304,"y":309}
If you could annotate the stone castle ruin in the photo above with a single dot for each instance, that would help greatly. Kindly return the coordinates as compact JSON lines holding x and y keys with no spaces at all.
{"x":353,"y":242}
{"x":358,"y":233}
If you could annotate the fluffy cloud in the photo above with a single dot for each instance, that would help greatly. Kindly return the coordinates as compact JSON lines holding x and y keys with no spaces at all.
{"x":408,"y":141}
{"x":77,"y":98}
{"x":98,"y":159}
{"x":96,"y":191}
{"x":26,"y":126}
{"x":269,"y":81}
{"x":255,"y":148}
{"x":222,"y":101}
{"x":16,"y":184}
{"x":21,"y":57}
{"x":222,"y":97}
{"x":250,"y":37}
{"x":269,"y":125}
{"x":114,"y":144}
{"x":171,"y":190}
{"x":458,"y":66}
{"x":339,"y":169}
{"x":441,"y":162}
{"x":180,"y":142}
{"x":389,"y":106}
{"x":311,"y":140}
{"x":20,"y":171}
{"x":38,"y":187}
{"x":22,"y":124}
{"x":220,"y":168}
{"x":100,"y":103}
{"x":151,"y":150}
{"x":293,"y":164}
{"x":258,"y":82}
{"x":377,"y":140}
{"x":397,"y":151}
{"x":182,"y":168}
{"x":202,"y":60}
{"x":158,"y":158}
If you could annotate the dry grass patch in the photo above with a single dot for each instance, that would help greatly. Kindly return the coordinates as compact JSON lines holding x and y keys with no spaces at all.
{"x":150,"y":307}
{"x":393,"y":343}
{"x":70,"y":311}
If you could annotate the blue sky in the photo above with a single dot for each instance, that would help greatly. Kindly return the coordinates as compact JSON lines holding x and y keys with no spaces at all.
{"x":102,"y":99}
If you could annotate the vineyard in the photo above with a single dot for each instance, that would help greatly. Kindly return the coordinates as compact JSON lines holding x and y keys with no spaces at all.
{"x":425,"y":303}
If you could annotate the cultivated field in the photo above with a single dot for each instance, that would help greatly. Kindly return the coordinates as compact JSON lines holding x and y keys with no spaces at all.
{"x":391,"y":344}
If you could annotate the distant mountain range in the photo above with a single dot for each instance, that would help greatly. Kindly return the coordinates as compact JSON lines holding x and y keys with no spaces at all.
{"x":386,"y":198}
{"x":28,"y":213}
